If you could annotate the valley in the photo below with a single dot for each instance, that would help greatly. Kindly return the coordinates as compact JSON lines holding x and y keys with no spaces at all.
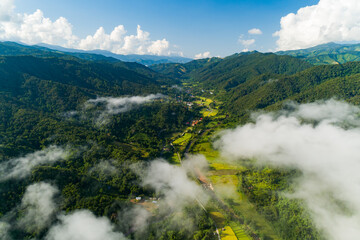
{"x":167,"y":152}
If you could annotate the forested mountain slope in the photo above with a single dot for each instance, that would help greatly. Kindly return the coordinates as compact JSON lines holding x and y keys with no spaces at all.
{"x":94,"y":111}
{"x":39,"y":88}
{"x":321,"y":82}
{"x":330,"y":53}
{"x":233,"y":70}
{"x":253,"y":81}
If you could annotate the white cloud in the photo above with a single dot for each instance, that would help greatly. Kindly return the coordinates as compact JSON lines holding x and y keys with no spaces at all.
{"x":4,"y":230}
{"x":118,"y":42}
{"x":39,"y":206}
{"x":246,"y":42}
{"x":329,"y":20}
{"x":173,"y":182}
{"x":36,"y":28}
{"x":203,"y":55}
{"x":83,"y":225}
{"x":22,"y":166}
{"x":6,"y":9}
{"x":322,"y":140}
{"x":255,"y":31}
{"x":113,"y":106}
{"x":159,"y":47}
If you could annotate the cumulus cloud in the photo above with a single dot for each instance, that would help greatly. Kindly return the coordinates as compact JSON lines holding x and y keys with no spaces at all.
{"x":203,"y":55}
{"x":327,"y":21}
{"x":118,"y":42}
{"x":38,"y":206}
{"x":255,"y":31}
{"x":83,"y":225}
{"x":36,"y":28}
{"x":113,"y":106}
{"x":311,"y":138}
{"x":21,"y":167}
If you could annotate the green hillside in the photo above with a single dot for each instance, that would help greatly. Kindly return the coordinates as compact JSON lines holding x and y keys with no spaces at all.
{"x":177,"y":70}
{"x":233,"y":70}
{"x":330,"y":53}
{"x":265,"y":91}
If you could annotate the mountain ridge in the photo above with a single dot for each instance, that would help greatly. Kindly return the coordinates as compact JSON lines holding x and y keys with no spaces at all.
{"x":329,"y":53}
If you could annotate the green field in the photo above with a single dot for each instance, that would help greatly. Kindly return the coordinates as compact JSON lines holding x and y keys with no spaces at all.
{"x":209,"y":112}
{"x":204,"y":101}
{"x":206,"y":149}
{"x":218,"y":218}
{"x":240,"y":203}
{"x":226,"y":187}
{"x":183,"y":140}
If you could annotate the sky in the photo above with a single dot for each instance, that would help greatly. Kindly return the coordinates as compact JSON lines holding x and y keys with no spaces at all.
{"x":190,"y":28}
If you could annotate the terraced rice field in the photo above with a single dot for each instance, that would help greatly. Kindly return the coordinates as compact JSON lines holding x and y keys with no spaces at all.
{"x":228,"y":234}
{"x":239,"y":232}
{"x":183,"y":140}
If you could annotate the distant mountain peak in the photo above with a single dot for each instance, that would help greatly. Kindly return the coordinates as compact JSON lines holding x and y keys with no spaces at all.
{"x":13,"y":48}
{"x":143,"y":59}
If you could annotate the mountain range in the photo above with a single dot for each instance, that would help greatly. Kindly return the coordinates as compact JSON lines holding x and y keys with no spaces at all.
{"x":7,"y":48}
{"x":114,"y":117}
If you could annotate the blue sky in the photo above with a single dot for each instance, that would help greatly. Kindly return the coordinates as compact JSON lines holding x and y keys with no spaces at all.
{"x":189,"y":26}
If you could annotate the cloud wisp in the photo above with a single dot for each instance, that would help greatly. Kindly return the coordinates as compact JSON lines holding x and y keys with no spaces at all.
{"x":175,"y":189}
{"x":21,"y":167}
{"x":322,"y":140}
{"x":36,"y":28}
{"x":203,"y":55}
{"x":173,"y":183}
{"x":83,"y":224}
{"x":247,"y":42}
{"x":255,"y":31}
{"x":327,"y":21}
{"x":112,"y":106}
{"x":4,"y":230}
{"x":39,"y":211}
{"x":39,"y":206}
